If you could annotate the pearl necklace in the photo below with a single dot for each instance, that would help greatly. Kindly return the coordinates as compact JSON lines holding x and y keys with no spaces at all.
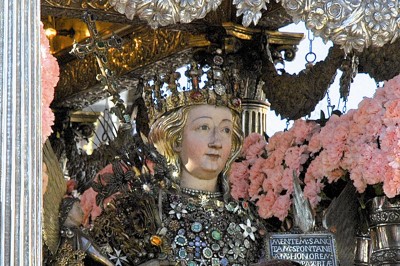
{"x":198,"y":192}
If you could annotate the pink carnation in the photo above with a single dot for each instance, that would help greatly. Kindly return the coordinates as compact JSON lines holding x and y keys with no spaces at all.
{"x":364,"y":143}
{"x":312,"y":191}
{"x":239,"y":180}
{"x":281,"y":206}
{"x":265,"y":204}
{"x":50,"y":75}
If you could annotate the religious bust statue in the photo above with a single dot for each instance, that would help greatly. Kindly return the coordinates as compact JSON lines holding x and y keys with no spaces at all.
{"x":189,"y":219}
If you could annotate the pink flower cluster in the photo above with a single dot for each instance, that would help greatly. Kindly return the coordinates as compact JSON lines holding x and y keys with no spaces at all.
{"x":364,"y":143}
{"x":50,"y":75}
{"x":268,"y":180}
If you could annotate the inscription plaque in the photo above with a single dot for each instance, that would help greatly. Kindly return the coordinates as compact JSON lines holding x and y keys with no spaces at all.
{"x":316,"y":249}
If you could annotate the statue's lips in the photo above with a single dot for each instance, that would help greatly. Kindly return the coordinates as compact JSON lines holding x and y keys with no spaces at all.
{"x":213,"y":155}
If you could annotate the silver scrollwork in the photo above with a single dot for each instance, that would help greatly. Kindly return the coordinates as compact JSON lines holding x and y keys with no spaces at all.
{"x":387,"y":216}
{"x":352,"y":24}
{"x":165,"y":12}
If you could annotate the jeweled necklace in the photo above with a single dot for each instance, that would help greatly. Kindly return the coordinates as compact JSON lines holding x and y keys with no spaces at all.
{"x":198,"y":192}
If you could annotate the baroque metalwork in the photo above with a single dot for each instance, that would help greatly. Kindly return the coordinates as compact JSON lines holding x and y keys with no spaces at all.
{"x":223,"y":88}
{"x":99,"y":47}
{"x":138,"y":50}
{"x":386,"y":216}
{"x":384,"y":223}
{"x":354,"y":25}
{"x":385,"y":257}
{"x":162,"y":13}
{"x":98,"y":4}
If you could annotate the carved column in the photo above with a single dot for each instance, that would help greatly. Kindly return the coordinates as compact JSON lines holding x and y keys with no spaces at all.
{"x":20,"y":115}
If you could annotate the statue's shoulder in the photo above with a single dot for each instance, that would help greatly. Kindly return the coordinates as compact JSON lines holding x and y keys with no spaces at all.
{"x":122,"y":210}
{"x":128,"y":228}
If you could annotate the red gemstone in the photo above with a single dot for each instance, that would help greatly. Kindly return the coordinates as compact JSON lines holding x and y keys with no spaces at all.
{"x":236,"y":102}
{"x":196,"y":96}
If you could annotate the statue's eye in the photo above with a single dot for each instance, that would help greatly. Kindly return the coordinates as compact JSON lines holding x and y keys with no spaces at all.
{"x":226,"y":130}
{"x":204,"y":127}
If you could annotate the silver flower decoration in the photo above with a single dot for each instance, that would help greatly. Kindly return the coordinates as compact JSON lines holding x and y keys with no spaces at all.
{"x":248,"y":230}
{"x":380,"y":18}
{"x":177,"y":209}
{"x":317,"y":19}
{"x":250,"y":9}
{"x":295,"y":8}
{"x":213,"y":4}
{"x":165,"y":12}
{"x":237,"y":250}
{"x":352,"y":24}
{"x":125,"y":7}
{"x":192,"y":9}
{"x":160,"y":12}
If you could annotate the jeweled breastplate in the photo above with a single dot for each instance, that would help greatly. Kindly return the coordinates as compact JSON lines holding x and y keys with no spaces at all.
{"x":203,"y":230}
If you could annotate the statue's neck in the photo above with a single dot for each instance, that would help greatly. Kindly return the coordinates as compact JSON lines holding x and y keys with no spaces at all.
{"x":192,"y":182}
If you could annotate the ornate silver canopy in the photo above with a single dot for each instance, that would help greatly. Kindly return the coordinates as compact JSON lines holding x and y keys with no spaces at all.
{"x":352,"y":24}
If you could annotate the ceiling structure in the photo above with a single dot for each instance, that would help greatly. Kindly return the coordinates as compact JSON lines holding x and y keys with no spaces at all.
{"x":146,"y":51}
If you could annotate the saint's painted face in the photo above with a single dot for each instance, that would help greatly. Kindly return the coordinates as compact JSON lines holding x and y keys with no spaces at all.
{"x":206,"y":141}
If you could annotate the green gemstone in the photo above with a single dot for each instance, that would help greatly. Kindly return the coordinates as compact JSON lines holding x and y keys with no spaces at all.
{"x":100,"y":44}
{"x":207,"y":253}
{"x":214,"y":262}
{"x":216,"y":235}
{"x":215,"y":247}
{"x":191,"y":263}
{"x":190,"y":206}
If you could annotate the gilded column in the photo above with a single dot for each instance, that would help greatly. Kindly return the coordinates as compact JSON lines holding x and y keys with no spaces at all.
{"x":20,"y":115}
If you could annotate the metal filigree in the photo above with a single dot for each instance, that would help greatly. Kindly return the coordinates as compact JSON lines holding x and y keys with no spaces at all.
{"x":352,"y":24}
{"x":385,"y":257}
{"x":250,"y":9}
{"x":98,"y":4}
{"x":387,"y":216}
{"x":139,"y":50}
{"x":165,"y":12}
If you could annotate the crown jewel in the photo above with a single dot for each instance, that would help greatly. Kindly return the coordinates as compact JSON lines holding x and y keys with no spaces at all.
{"x":221,"y":88}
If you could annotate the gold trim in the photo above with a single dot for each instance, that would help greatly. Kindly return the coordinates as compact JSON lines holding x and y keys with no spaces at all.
{"x":274,"y":37}
{"x":239,"y":31}
{"x":84,"y":117}
{"x":284,"y":38}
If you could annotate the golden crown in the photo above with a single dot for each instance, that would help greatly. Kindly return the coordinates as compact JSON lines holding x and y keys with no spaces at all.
{"x":221,"y":88}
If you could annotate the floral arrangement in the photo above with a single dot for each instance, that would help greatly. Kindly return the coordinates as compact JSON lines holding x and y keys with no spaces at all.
{"x":362,"y":145}
{"x":50,"y":75}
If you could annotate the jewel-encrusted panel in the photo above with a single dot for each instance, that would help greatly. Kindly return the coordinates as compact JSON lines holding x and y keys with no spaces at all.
{"x":207,"y":231}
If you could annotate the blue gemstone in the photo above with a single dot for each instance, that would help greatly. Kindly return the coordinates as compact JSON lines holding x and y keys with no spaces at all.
{"x":196,"y":227}
{"x":224,"y":262}
{"x":182,"y":253}
{"x":197,"y":244}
